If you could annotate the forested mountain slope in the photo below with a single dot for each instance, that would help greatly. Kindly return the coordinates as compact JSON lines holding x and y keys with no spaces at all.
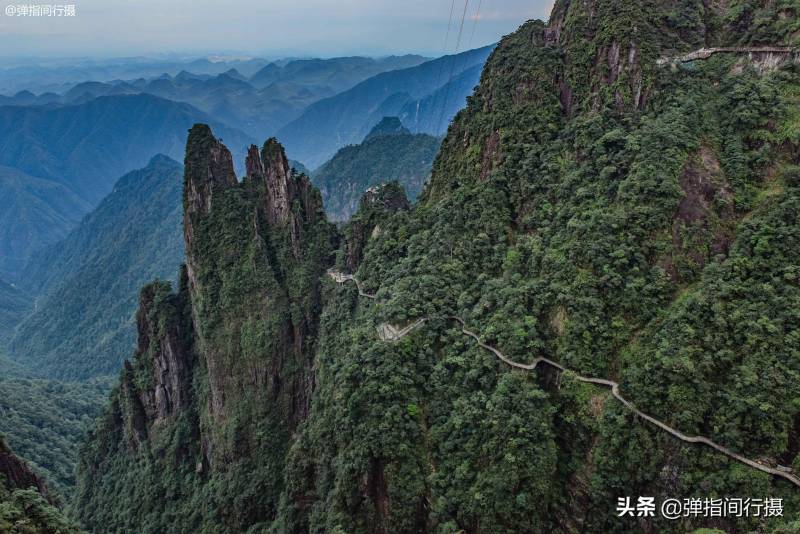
{"x":630,"y":218}
{"x":14,"y":305}
{"x":389,"y":153}
{"x":33,"y":213}
{"x":45,"y":421}
{"x":88,"y":284}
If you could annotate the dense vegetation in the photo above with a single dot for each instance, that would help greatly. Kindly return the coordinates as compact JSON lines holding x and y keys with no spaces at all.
{"x":387,"y":154}
{"x":650,"y":241}
{"x":199,"y":427}
{"x":634,"y":221}
{"x":24,"y":506}
{"x":44,"y":421}
{"x":82,"y":326}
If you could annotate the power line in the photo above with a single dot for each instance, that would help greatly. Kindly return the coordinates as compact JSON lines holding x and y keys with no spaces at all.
{"x":444,"y":51}
{"x":460,"y":69}
{"x":452,"y":68}
{"x":475,"y":23}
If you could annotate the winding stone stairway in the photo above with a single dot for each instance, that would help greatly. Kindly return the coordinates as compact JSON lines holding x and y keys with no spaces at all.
{"x":705,"y":53}
{"x":391,"y":333}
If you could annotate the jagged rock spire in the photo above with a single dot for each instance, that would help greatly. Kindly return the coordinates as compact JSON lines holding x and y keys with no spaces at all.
{"x":280,"y":186}
{"x":208,"y":169}
{"x":254,"y":166}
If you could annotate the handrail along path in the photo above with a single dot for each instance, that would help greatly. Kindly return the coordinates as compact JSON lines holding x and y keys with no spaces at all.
{"x":341,"y":278}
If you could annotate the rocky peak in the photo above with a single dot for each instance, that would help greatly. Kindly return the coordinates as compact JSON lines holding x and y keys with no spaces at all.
{"x":253,"y":166}
{"x":289,"y":199}
{"x":281,"y":189}
{"x":387,"y":126}
{"x":208,"y":169}
{"x":224,"y":369}
{"x":377,"y":203}
{"x":269,"y":173}
{"x":387,"y":197}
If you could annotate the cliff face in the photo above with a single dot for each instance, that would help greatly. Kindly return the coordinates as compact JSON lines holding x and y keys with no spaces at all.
{"x":156,"y":385}
{"x":222,"y":374}
{"x":376,"y":203}
{"x":16,"y":474}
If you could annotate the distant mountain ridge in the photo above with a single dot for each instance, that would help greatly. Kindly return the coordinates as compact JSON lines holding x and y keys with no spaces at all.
{"x":387,"y":126}
{"x":57,"y":163}
{"x":56,"y":75}
{"x":33,"y":213}
{"x":83,"y":322}
{"x":339,"y":74}
{"x":346,"y":118}
{"x":84,"y":146}
{"x":258,"y":105}
{"x":432,"y":113}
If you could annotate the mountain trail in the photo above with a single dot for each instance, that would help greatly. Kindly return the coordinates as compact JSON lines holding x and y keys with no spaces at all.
{"x":388,"y":332}
{"x":705,"y":53}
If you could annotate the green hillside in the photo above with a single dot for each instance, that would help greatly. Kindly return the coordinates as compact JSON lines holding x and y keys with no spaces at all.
{"x":25,"y":503}
{"x":384,"y":156}
{"x":45,"y":421}
{"x":33,"y":213}
{"x":83,"y":322}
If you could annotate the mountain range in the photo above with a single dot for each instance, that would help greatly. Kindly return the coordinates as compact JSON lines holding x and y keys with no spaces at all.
{"x":258,"y":105}
{"x":347,"y":117}
{"x":56,"y":164}
{"x":59,"y":153}
{"x":86,"y":285}
{"x":85,"y":146}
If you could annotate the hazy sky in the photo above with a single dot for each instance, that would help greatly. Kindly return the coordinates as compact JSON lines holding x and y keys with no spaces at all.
{"x":274,"y":27}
